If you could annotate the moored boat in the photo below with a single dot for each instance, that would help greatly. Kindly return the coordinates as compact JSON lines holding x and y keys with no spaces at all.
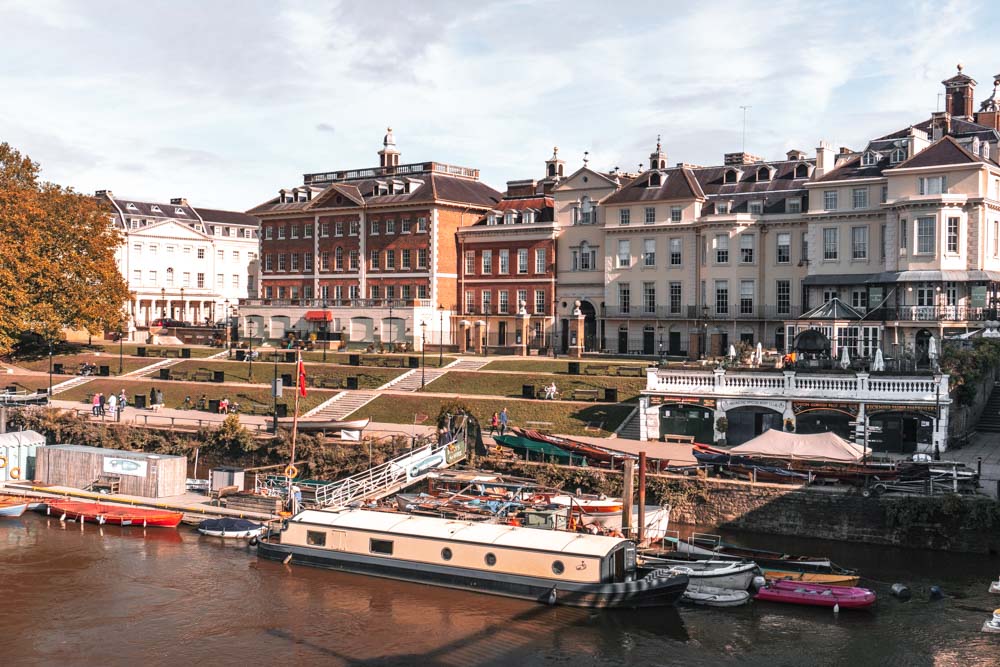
{"x":715,"y":597}
{"x":230,"y":527}
{"x":716,"y":573}
{"x":12,"y":507}
{"x":816,"y":595}
{"x":115,"y":515}
{"x":700,"y":547}
{"x":549,"y":566}
{"x":827,"y":578}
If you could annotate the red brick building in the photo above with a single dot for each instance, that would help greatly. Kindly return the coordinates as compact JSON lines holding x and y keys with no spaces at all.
{"x":368,"y":254}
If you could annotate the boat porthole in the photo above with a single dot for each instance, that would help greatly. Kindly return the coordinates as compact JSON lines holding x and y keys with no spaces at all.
{"x":491,"y":560}
{"x":558,"y":567}
{"x":446,"y":553}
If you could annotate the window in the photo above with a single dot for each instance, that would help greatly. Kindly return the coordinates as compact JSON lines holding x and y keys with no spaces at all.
{"x":746,"y":297}
{"x":951,"y":294}
{"x":925,"y":295}
{"x":522,"y":296}
{"x":338,"y":229}
{"x":422,"y":292}
{"x":830,"y":295}
{"x":746,"y":248}
{"x":859,"y":298}
{"x":503,"y":302}
{"x":404,"y":226}
{"x":491,"y":559}
{"x":355,"y":228}
{"x":220,"y":280}
{"x":884,"y":245}
{"x":487,"y":300}
{"x":996,"y":238}
{"x":650,"y":215}
{"x":721,"y":297}
{"x":539,"y":302}
{"x":869,"y":159}
{"x":219,"y":254}
{"x":404,"y":292}
{"x":675,"y":213}
{"x":390,"y":292}
{"x":731,"y":176}
{"x":470,"y":302}
{"x":422,"y":258}
{"x":925,"y":236}
{"x":307,"y":231}
{"x":170,"y":250}
{"x":446,"y":554}
{"x":373,"y":228}
{"x":756,"y":207}
{"x":649,"y":298}
{"x":584,"y":259}
{"x":830,"y":200}
{"x":307,"y":292}
{"x":383,"y":547}
{"x":624,"y":298}
{"x":152,"y":276}
{"x":902,"y":234}
{"x":931,"y":185}
{"x":504,"y":260}
{"x":721,"y":249}
{"x":470,"y":262}
{"x":390,"y":226}
{"x":268,"y":232}
{"x":859,"y":243}
{"x":540,"y":264}
{"x":295,"y":231}
{"x":152,"y":248}
{"x":137,"y":275}
{"x":624,"y":217}
{"x":268,"y":262}
{"x":338,"y":259}
{"x":793,"y":205}
{"x":624,"y":254}
{"x":295,"y":261}
{"x":953,"y":235}
{"x":201,"y":253}
{"x":324,"y":260}
{"x":831,"y":242}
{"x":859,"y":197}
{"x":404,"y":259}
{"x":421,"y":225}
{"x":236,"y":280}
{"x":487,"y":262}
{"x":390,"y":259}
{"x":675,"y":252}
{"x":522,"y":260}
{"x":783,"y":292}
{"x":897,"y":155}
{"x":784,"y":254}
{"x":354,"y":260}
{"x":315,"y":538}
{"x":236,"y":254}
{"x":558,"y":567}
{"x":200,"y":279}
{"x":282,"y":259}
{"x":722,"y":207}
{"x":884,"y":194}
{"x":324,"y":229}
{"x":649,"y":252}
{"x":374,"y":292}
{"x":675,"y":297}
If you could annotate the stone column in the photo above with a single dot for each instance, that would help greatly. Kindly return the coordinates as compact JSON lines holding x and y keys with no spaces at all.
{"x":480,"y":331}
{"x":576,"y":333}
{"x":463,"y":327}
{"x":524,"y":321}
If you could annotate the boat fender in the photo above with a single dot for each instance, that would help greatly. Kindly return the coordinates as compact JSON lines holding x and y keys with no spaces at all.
{"x":288,"y":559}
{"x":15,"y":473}
{"x":3,"y":462}
{"x":757,"y":583}
{"x":836,"y":608}
{"x":253,"y":541}
{"x":901,"y":591}
{"x":936,"y":593}
{"x":552,"y":596}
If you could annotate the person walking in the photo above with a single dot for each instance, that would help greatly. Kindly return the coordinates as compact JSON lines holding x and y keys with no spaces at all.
{"x":504,"y":421}
{"x":95,"y":406}
{"x":159,"y":397}
{"x":122,"y":399}
{"x":152,"y":396}
{"x":112,"y":405}
{"x":103,"y":403}
{"x":494,"y":423}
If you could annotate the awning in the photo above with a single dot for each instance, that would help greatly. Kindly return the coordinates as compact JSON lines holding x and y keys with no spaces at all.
{"x":533,"y":446}
{"x":777,"y":444}
{"x":934,"y":276}
{"x":319,"y":316}
{"x":839,"y":279}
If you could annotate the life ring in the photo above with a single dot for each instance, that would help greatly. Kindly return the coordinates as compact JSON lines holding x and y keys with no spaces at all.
{"x":15,"y":473}
{"x":3,"y":462}
{"x":291,"y":471}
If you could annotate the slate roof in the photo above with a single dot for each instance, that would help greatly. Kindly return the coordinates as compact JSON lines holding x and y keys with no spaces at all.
{"x":145,"y":209}
{"x":834,"y":309}
{"x":227,"y":217}
{"x":676,"y":183}
{"x":944,"y":151}
{"x":959,"y":128}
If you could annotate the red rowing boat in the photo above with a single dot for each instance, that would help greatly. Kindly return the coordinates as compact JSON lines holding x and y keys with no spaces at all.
{"x":115,"y":515}
{"x":816,"y":595}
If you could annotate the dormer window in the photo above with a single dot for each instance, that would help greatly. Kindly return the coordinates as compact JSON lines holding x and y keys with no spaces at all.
{"x":763,"y":174}
{"x":131,"y":207}
{"x":731,"y":176}
{"x":984,"y":149}
{"x":722,"y":207}
{"x":870,"y":159}
{"x":179,"y":211}
{"x":756,"y":207}
{"x":528,"y":216}
{"x":801,"y":171}
{"x":155,"y":209}
{"x":655,"y":181}
{"x":508,"y":218}
{"x":897,"y":156}
{"x":491,"y":219}
{"x":382,"y":188}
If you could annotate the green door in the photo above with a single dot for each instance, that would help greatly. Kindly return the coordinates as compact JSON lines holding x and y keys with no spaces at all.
{"x":680,"y":419}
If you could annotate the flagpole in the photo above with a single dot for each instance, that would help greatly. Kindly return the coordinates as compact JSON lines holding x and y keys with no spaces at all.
{"x":299,"y":385}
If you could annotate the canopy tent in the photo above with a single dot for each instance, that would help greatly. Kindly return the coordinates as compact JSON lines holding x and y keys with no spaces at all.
{"x":543,"y":448}
{"x":811,"y":340}
{"x":800,"y":447}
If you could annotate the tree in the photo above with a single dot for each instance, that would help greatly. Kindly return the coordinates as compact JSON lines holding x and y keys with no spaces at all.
{"x":57,"y":257}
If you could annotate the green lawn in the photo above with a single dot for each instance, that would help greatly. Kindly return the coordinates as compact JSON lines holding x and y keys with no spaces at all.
{"x":28,"y":383}
{"x":560,"y":366}
{"x":197,"y":352}
{"x":174,"y":393}
{"x":503,"y":384}
{"x":569,"y":419}
{"x":317,"y":375}
{"x":71,"y":362}
{"x":431,"y":359}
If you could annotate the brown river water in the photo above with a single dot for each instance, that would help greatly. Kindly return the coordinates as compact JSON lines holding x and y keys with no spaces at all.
{"x":128,"y":596}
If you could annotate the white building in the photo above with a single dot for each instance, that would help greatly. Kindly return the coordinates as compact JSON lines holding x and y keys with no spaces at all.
{"x":183,"y":262}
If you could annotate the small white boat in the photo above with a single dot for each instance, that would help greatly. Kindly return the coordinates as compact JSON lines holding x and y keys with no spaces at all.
{"x":736,"y":575}
{"x":715,"y":597}
{"x":231,"y":528}
{"x":12,"y":509}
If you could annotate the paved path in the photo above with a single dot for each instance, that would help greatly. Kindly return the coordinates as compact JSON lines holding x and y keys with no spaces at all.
{"x":987,"y":446}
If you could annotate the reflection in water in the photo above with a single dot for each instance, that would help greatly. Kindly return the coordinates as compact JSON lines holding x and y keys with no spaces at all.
{"x":126,"y":595}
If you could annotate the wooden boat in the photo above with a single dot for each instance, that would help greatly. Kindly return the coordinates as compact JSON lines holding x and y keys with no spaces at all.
{"x":816,"y":595}
{"x":593,"y":453}
{"x":715,"y":597}
{"x":710,"y":547}
{"x":772,"y":474}
{"x":115,"y":515}
{"x":828,"y":579}
{"x":322,"y":426}
{"x":12,"y":507}
{"x":715,"y":573}
{"x":230,"y":528}
{"x":549,"y":566}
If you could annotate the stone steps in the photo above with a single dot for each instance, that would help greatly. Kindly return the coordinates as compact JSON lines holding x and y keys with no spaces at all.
{"x":467,"y":364}
{"x":341,"y":405}
{"x":412,"y":380}
{"x":630,"y":429}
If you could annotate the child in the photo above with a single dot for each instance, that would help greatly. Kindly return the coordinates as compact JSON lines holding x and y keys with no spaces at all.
{"x":494,"y":423}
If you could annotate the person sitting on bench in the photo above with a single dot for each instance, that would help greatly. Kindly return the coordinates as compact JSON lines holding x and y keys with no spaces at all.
{"x":551,"y":391}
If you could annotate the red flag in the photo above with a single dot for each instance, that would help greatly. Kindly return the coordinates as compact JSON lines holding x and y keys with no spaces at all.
{"x":302,"y":378}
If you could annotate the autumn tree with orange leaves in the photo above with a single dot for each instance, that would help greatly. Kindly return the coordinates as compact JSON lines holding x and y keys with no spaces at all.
{"x":57,"y":257}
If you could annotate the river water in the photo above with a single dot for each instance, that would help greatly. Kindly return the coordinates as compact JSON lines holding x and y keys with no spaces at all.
{"x":128,"y":596}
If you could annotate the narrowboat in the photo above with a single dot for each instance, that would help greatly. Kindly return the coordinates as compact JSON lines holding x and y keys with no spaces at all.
{"x":550,"y":566}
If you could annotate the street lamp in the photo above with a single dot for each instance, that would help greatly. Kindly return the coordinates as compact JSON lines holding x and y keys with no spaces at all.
{"x":250,"y":326}
{"x":163,"y":301}
{"x":225,"y":319}
{"x":441,"y":335}
{"x":234,"y":320}
{"x":423,"y":354}
{"x":50,"y":369}
{"x":659,"y":328}
{"x":121,"y":351}
{"x":486,"y":333}
{"x":183,"y":307}
{"x":274,"y":390}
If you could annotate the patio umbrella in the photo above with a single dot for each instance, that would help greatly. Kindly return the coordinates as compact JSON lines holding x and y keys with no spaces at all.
{"x":932,"y":350}
{"x":845,"y":359}
{"x":879,"y":363}
{"x":732,"y":351}
{"x":760,"y":354}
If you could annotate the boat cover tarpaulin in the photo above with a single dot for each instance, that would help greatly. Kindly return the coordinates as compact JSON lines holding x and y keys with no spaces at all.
{"x":800,"y":447}
{"x":543,"y":448}
{"x":228,"y":524}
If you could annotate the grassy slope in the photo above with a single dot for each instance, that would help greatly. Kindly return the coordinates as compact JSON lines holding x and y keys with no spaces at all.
{"x":551,"y":365}
{"x":72,"y":362}
{"x":263,"y":372}
{"x":503,"y":384}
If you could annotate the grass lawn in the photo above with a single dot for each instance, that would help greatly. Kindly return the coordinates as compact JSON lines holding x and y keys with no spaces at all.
{"x":502,"y":384}
{"x":28,"y":383}
{"x":565,"y":418}
{"x":174,"y":393}
{"x":317,"y":375}
{"x":71,"y":362}
{"x":343,"y":358}
{"x":558,"y":366}
{"x":197,"y":352}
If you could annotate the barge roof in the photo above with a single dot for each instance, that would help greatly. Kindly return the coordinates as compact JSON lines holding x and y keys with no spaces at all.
{"x":474,"y":532}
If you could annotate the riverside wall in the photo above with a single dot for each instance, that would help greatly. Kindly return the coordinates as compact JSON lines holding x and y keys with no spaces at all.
{"x":946,"y":523}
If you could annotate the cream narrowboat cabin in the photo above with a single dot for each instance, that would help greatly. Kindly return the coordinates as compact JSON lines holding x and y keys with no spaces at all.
{"x":548,"y":566}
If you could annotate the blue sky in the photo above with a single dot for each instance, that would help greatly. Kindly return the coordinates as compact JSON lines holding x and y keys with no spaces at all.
{"x":225,"y":102}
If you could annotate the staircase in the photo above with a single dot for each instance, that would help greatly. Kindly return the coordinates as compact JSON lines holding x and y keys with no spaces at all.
{"x":72,"y":382}
{"x":146,"y":370}
{"x":388,"y":478}
{"x":416,"y":378}
{"x":629,"y":429}
{"x":989,"y":421}
{"x":467,"y":364}
{"x":341,"y":405}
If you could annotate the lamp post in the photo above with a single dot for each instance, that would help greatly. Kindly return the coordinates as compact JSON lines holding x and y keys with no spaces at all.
{"x":274,"y":390}
{"x":390,"y":325}
{"x":659,"y":328}
{"x":183,"y":307}
{"x":50,"y":369}
{"x":163,"y":301}
{"x":225,"y":319}
{"x":250,"y":326}
{"x":423,"y":354}
{"x":121,"y":351}
{"x":234,"y":320}
{"x":486,"y":333}
{"x":440,"y":335}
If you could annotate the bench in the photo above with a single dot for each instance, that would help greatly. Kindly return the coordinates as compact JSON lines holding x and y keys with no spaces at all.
{"x":597,"y":369}
{"x":255,"y":409}
{"x":590,"y":394}
{"x":202,"y":375}
{"x":679,"y":439}
{"x":637,"y":371}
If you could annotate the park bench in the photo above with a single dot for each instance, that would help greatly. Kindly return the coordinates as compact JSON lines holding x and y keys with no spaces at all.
{"x":679,"y":439}
{"x":589,"y":394}
{"x":250,"y":408}
{"x":202,"y":375}
{"x":637,"y":371}
{"x":597,"y":369}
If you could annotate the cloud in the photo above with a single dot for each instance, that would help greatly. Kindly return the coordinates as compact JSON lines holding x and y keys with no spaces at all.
{"x":188,"y":157}
{"x":326,"y":127}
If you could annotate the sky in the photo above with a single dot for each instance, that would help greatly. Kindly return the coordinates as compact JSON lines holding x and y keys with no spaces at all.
{"x":226,"y":102}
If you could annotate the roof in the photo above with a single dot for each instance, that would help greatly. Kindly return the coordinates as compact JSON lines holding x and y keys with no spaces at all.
{"x":674,"y":184}
{"x":959,"y":128}
{"x":834,"y":309}
{"x":116,"y":453}
{"x":394,"y":523}
{"x":227,"y":217}
{"x":21,"y":438}
{"x":838,"y":279}
{"x":519,"y":204}
{"x":944,"y":151}
{"x":143,"y":208}
{"x":800,"y":447}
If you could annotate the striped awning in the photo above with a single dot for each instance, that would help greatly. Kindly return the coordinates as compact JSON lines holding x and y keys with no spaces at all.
{"x":319,"y":316}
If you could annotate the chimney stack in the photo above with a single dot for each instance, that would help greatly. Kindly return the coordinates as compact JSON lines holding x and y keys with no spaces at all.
{"x":940,"y":124}
{"x":824,"y":159}
{"x":179,"y":201}
{"x":740,"y":158}
{"x":959,"y":91}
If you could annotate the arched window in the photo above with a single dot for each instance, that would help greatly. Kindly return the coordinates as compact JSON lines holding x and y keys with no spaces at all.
{"x":763,"y":174}
{"x":552,"y":170}
{"x":731,"y":176}
{"x":897,"y":155}
{"x":801,"y":171}
{"x":654,"y":180}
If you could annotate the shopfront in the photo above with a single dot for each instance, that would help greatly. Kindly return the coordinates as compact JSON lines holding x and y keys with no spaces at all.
{"x":817,"y":417}
{"x":686,"y":416}
{"x":903,"y":430}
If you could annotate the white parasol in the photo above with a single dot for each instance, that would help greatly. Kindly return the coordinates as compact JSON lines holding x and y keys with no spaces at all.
{"x":932,"y":350}
{"x":732,"y":351}
{"x":760,"y":354}
{"x":879,"y":363}
{"x":845,"y":359}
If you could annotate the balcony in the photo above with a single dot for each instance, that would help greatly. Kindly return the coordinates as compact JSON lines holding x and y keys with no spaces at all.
{"x":338,"y":303}
{"x":933,"y":314}
{"x":798,"y":385}
{"x":757,"y":312}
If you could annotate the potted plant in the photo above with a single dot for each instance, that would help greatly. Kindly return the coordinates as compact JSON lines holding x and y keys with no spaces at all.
{"x":790,"y":425}
{"x":722,"y":425}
